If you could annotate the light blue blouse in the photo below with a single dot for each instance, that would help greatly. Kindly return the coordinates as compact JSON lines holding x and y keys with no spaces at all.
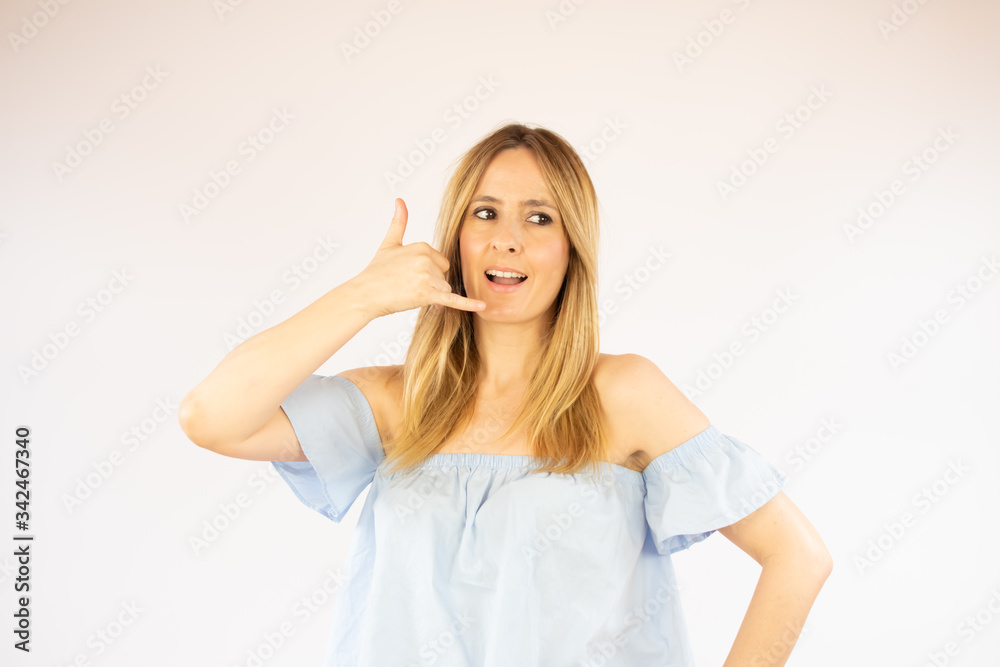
{"x":473,"y":560}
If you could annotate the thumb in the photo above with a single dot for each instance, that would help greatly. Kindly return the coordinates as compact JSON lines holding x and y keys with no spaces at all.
{"x":398,"y":225}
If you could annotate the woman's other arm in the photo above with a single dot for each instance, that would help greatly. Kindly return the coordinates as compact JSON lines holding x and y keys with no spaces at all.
{"x":794,"y":566}
{"x":236,"y":410}
{"x":795,"y":562}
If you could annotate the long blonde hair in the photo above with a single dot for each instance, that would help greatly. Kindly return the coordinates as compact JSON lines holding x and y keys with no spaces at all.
{"x":441,"y":371}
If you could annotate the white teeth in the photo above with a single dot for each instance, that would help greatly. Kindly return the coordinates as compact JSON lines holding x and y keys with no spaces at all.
{"x":506,"y":274}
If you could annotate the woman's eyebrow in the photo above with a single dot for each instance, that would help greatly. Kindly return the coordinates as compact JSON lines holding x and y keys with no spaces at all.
{"x":526,"y":202}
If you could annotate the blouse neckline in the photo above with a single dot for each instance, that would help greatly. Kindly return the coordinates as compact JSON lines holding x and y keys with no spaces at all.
{"x":665,"y":461}
{"x":503,"y":461}
{"x":520,"y":462}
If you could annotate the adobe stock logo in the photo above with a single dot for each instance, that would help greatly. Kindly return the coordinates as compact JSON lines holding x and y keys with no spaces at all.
{"x":613,"y":128}
{"x":928,"y":328}
{"x":38,"y":20}
{"x":915,"y":166}
{"x":753,"y":329}
{"x":787,"y":126}
{"x":381,"y":18}
{"x":122,"y":107}
{"x":705,"y":38}
{"x":899,"y":17}
{"x":924,"y":500}
{"x":454,"y":116}
{"x":252,"y":145}
{"x":88,"y":310}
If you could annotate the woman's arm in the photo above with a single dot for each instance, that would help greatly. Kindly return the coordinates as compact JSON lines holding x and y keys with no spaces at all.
{"x":795,"y":561}
{"x":795,"y":564}
{"x":236,"y":409}
{"x":246,"y":389}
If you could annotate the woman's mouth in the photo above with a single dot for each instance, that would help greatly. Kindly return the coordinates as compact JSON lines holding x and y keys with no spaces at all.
{"x":504,"y":281}
{"x":505,"y":277}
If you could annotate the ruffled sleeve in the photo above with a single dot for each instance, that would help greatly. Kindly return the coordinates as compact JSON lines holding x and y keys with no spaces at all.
{"x":336,"y":429}
{"x":707,"y":482}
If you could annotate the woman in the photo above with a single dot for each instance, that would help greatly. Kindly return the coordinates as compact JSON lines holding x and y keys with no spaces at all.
{"x":526,"y":490}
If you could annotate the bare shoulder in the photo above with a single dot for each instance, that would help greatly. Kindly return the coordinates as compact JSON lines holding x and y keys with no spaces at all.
{"x":644,"y":410}
{"x":382,"y":387}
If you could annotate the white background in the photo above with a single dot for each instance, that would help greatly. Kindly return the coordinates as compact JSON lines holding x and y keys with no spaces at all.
{"x":683,"y":129}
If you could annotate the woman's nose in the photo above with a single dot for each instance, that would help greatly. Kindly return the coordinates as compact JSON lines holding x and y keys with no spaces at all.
{"x":501,"y":246}
{"x":506,"y":237}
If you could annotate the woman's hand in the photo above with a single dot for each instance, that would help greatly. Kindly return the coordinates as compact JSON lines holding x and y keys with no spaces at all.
{"x":403,"y":277}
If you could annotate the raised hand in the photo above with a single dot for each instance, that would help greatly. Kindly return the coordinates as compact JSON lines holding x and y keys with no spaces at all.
{"x":401,"y":277}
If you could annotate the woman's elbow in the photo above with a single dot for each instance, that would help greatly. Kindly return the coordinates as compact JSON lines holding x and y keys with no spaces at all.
{"x":806,"y":558}
{"x":188,"y":416}
{"x":814,"y":559}
{"x":821,"y":562}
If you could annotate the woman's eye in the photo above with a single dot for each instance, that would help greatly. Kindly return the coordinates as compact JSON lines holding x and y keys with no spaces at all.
{"x":545,"y":218}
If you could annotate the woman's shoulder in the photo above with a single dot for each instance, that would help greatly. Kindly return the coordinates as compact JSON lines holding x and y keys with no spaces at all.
{"x":611,"y":378}
{"x":382,"y":387}
{"x":644,"y":410}
{"x":615,"y":374}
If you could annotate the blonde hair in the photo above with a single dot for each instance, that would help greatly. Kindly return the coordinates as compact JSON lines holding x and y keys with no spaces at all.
{"x":441,"y":371}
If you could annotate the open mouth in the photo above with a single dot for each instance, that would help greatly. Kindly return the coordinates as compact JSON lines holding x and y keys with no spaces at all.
{"x":505,"y":277}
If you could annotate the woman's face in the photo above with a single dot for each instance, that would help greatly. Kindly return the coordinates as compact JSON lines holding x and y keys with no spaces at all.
{"x":512,"y":225}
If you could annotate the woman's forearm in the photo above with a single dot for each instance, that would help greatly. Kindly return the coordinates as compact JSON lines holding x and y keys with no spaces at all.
{"x":785,"y":593}
{"x":250,"y":382}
